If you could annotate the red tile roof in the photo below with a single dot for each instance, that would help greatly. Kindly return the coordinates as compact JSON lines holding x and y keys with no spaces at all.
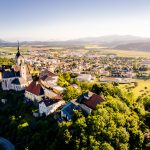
{"x":35,"y":88}
{"x":93,"y":101}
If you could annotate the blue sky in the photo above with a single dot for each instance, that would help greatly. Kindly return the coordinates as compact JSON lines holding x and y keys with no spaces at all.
{"x":69,"y":19}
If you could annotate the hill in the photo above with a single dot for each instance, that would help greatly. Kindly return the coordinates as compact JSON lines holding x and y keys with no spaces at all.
{"x":140,"y":46}
{"x":121,"y":42}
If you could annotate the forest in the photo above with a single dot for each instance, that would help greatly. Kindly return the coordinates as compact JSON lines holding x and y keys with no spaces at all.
{"x":121,"y":122}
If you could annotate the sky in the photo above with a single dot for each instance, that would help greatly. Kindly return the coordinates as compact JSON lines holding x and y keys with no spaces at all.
{"x":72,"y":19}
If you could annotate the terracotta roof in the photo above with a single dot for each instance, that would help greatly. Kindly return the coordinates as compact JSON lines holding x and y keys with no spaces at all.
{"x":35,"y":88}
{"x":46,"y":75}
{"x":90,"y":99}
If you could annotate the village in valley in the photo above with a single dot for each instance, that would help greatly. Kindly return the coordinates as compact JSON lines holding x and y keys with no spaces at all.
{"x":56,"y":87}
{"x":37,"y":73}
{"x":74,"y":75}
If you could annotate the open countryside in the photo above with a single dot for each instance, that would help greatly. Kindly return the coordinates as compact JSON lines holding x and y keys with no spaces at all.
{"x":74,"y":75}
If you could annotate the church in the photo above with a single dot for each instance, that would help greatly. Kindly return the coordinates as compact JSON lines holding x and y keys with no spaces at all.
{"x":18,"y":76}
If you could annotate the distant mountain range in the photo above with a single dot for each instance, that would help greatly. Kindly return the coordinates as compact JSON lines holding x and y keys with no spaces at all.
{"x":2,"y":41}
{"x":121,"y":42}
{"x":138,"y":46}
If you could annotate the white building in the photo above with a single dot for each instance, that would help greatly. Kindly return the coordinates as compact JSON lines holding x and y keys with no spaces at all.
{"x":34,"y":92}
{"x":84,"y":77}
{"x":18,"y":84}
{"x":17,"y":77}
{"x":49,"y":106}
{"x":47,"y":78}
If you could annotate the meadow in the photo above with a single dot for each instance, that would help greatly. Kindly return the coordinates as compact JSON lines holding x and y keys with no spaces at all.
{"x":127,"y":53}
{"x":142,"y":87}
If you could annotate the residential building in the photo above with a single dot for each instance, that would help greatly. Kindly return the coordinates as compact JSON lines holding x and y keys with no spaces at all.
{"x":84,"y":77}
{"x":68,"y":110}
{"x":48,"y":77}
{"x":49,"y":106}
{"x":34,"y":92}
{"x":88,"y":101}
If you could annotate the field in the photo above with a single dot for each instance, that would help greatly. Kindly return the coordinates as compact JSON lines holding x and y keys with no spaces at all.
{"x":125,"y":53}
{"x":12,"y":49}
{"x":143,"y":87}
{"x":120,"y":53}
{"x":10,"y":52}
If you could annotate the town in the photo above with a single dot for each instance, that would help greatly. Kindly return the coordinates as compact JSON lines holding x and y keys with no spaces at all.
{"x":74,"y":75}
{"x":45,"y":91}
{"x":39,"y":84}
{"x":57,"y":84}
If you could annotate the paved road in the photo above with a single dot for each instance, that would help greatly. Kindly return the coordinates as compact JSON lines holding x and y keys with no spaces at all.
{"x":6,"y":144}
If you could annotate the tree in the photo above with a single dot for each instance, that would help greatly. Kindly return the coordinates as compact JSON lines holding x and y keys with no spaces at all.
{"x":67,"y":76}
{"x":106,"y":146}
{"x":113,"y":125}
{"x":62,"y":82}
{"x":6,"y":61}
{"x":71,"y":93}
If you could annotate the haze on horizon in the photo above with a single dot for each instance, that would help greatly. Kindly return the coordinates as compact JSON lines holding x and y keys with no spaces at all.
{"x":72,"y":19}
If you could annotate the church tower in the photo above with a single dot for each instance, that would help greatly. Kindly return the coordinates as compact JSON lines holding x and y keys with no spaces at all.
{"x":19,"y":58}
{"x":20,"y":61}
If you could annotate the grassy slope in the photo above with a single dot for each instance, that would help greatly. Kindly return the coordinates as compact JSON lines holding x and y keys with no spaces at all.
{"x":140,"y":89}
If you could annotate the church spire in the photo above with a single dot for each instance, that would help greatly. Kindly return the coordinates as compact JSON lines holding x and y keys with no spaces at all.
{"x":19,"y":58}
{"x":18,"y":51}
{"x":18,"y":46}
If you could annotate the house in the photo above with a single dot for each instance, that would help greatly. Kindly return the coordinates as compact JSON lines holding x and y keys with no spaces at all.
{"x":34,"y":92}
{"x":104,"y":72}
{"x":49,"y":93}
{"x":84,"y":77}
{"x":48,"y":77}
{"x":49,"y":106}
{"x":57,"y":89}
{"x":110,"y":79}
{"x":117,"y":80}
{"x":145,"y":63}
{"x":67,"y":110}
{"x":88,"y":101}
